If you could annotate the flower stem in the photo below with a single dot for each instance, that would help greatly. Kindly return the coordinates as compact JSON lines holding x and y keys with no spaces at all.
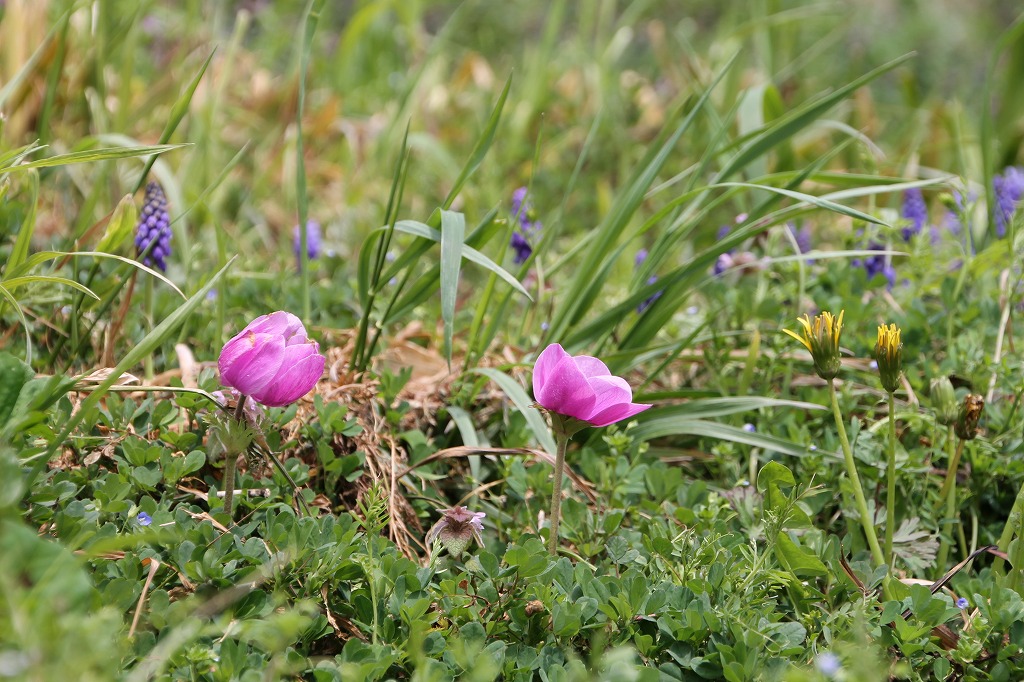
{"x":866,"y":520}
{"x":947,"y":499}
{"x":147,"y":289}
{"x":890,"y":484}
{"x":230,"y":461}
{"x":561,"y":441}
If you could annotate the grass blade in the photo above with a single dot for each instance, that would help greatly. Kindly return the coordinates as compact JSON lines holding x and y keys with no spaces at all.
{"x":453,"y":234}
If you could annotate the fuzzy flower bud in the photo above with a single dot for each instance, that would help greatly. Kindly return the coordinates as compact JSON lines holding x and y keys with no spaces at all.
{"x":821,"y":338}
{"x":889,"y":356}
{"x":456,"y":528}
{"x":966,"y":426}
{"x":943,"y":400}
{"x":153,"y":233}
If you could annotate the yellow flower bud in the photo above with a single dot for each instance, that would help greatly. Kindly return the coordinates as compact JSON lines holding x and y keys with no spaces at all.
{"x":821,"y":338}
{"x":889,"y":357}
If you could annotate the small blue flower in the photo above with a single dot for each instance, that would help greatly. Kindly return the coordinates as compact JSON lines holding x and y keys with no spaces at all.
{"x":143,"y":519}
{"x":962,"y":603}
{"x":828,"y":663}
{"x":314,"y":238}
{"x":1009,"y":189}
{"x":529,"y":226}
{"x":914,"y":210}
{"x":641,"y":256}
{"x":749,"y":428}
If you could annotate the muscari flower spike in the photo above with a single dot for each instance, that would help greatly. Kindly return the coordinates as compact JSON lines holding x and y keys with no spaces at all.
{"x":915,"y":211}
{"x":1008,"y":189}
{"x":889,"y":357}
{"x":821,"y":338}
{"x":529,"y":226}
{"x":153,"y":233}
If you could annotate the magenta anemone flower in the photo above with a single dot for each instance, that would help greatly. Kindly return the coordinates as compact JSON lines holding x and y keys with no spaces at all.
{"x":272,"y":360}
{"x":582,"y":387}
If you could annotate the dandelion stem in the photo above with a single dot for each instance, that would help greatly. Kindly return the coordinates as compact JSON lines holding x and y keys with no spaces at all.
{"x":561,"y":441}
{"x":866,"y":520}
{"x":890,"y":483}
{"x":947,"y":498}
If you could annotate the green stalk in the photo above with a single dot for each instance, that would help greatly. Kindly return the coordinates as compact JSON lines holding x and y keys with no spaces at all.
{"x":1011,"y":523}
{"x":890,"y":484}
{"x":148,"y":298}
{"x":230,"y":462}
{"x":562,"y":440}
{"x":947,"y":498}
{"x":866,"y":520}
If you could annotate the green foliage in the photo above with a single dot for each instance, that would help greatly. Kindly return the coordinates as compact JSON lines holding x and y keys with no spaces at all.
{"x":715,"y":536}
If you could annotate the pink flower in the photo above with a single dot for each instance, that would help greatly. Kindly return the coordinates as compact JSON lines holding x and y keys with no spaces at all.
{"x":272,"y":360}
{"x":582,"y":387}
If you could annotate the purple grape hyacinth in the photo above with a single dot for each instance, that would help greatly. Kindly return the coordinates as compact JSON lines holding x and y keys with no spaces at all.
{"x":154,"y":229}
{"x":529,"y":226}
{"x":1008,"y":189}
{"x":914,"y":210}
{"x":877,"y":265}
{"x":314,"y":239}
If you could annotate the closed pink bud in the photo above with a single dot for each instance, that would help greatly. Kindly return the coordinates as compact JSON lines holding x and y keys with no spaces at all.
{"x":272,"y":360}
{"x":582,"y":387}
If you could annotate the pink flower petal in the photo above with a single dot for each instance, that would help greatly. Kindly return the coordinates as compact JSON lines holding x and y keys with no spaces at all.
{"x":546,"y":362}
{"x":250,"y":361}
{"x":299,"y":372}
{"x":609,"y":391}
{"x":617,"y":413}
{"x":279,"y":323}
{"x":591,"y":366}
{"x":565,"y":390}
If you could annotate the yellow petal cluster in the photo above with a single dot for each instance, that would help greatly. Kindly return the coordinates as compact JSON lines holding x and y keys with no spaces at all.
{"x":821,"y":337}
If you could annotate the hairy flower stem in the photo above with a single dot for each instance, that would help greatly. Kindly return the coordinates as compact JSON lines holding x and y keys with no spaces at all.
{"x":866,"y":520}
{"x":561,"y":441}
{"x":230,"y":461}
{"x":890,"y":484}
{"x":947,"y":498}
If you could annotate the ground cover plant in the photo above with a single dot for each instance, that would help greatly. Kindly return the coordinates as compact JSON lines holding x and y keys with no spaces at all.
{"x":417,"y":340}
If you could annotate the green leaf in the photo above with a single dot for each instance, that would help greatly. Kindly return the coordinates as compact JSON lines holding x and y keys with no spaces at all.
{"x":91,"y":155}
{"x":120,"y":226}
{"x":801,"y":561}
{"x":14,"y":374}
{"x":453,"y":233}
{"x":418,"y":229}
{"x":522,"y":402}
{"x":483,"y":143}
{"x":24,"y":239}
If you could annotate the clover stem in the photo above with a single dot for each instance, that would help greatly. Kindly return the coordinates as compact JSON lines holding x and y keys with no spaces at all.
{"x":561,"y":441}
{"x":866,"y":520}
{"x":890,"y":484}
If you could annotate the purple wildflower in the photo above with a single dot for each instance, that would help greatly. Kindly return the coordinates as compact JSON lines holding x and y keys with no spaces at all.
{"x":803,"y":239}
{"x":456,"y":528}
{"x":313,"y":241}
{"x":962,"y":603}
{"x":915,"y":211}
{"x":877,"y":265}
{"x":153,"y":233}
{"x":1008,"y":188}
{"x":523,"y":213}
{"x":143,"y":519}
{"x":749,"y":428}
